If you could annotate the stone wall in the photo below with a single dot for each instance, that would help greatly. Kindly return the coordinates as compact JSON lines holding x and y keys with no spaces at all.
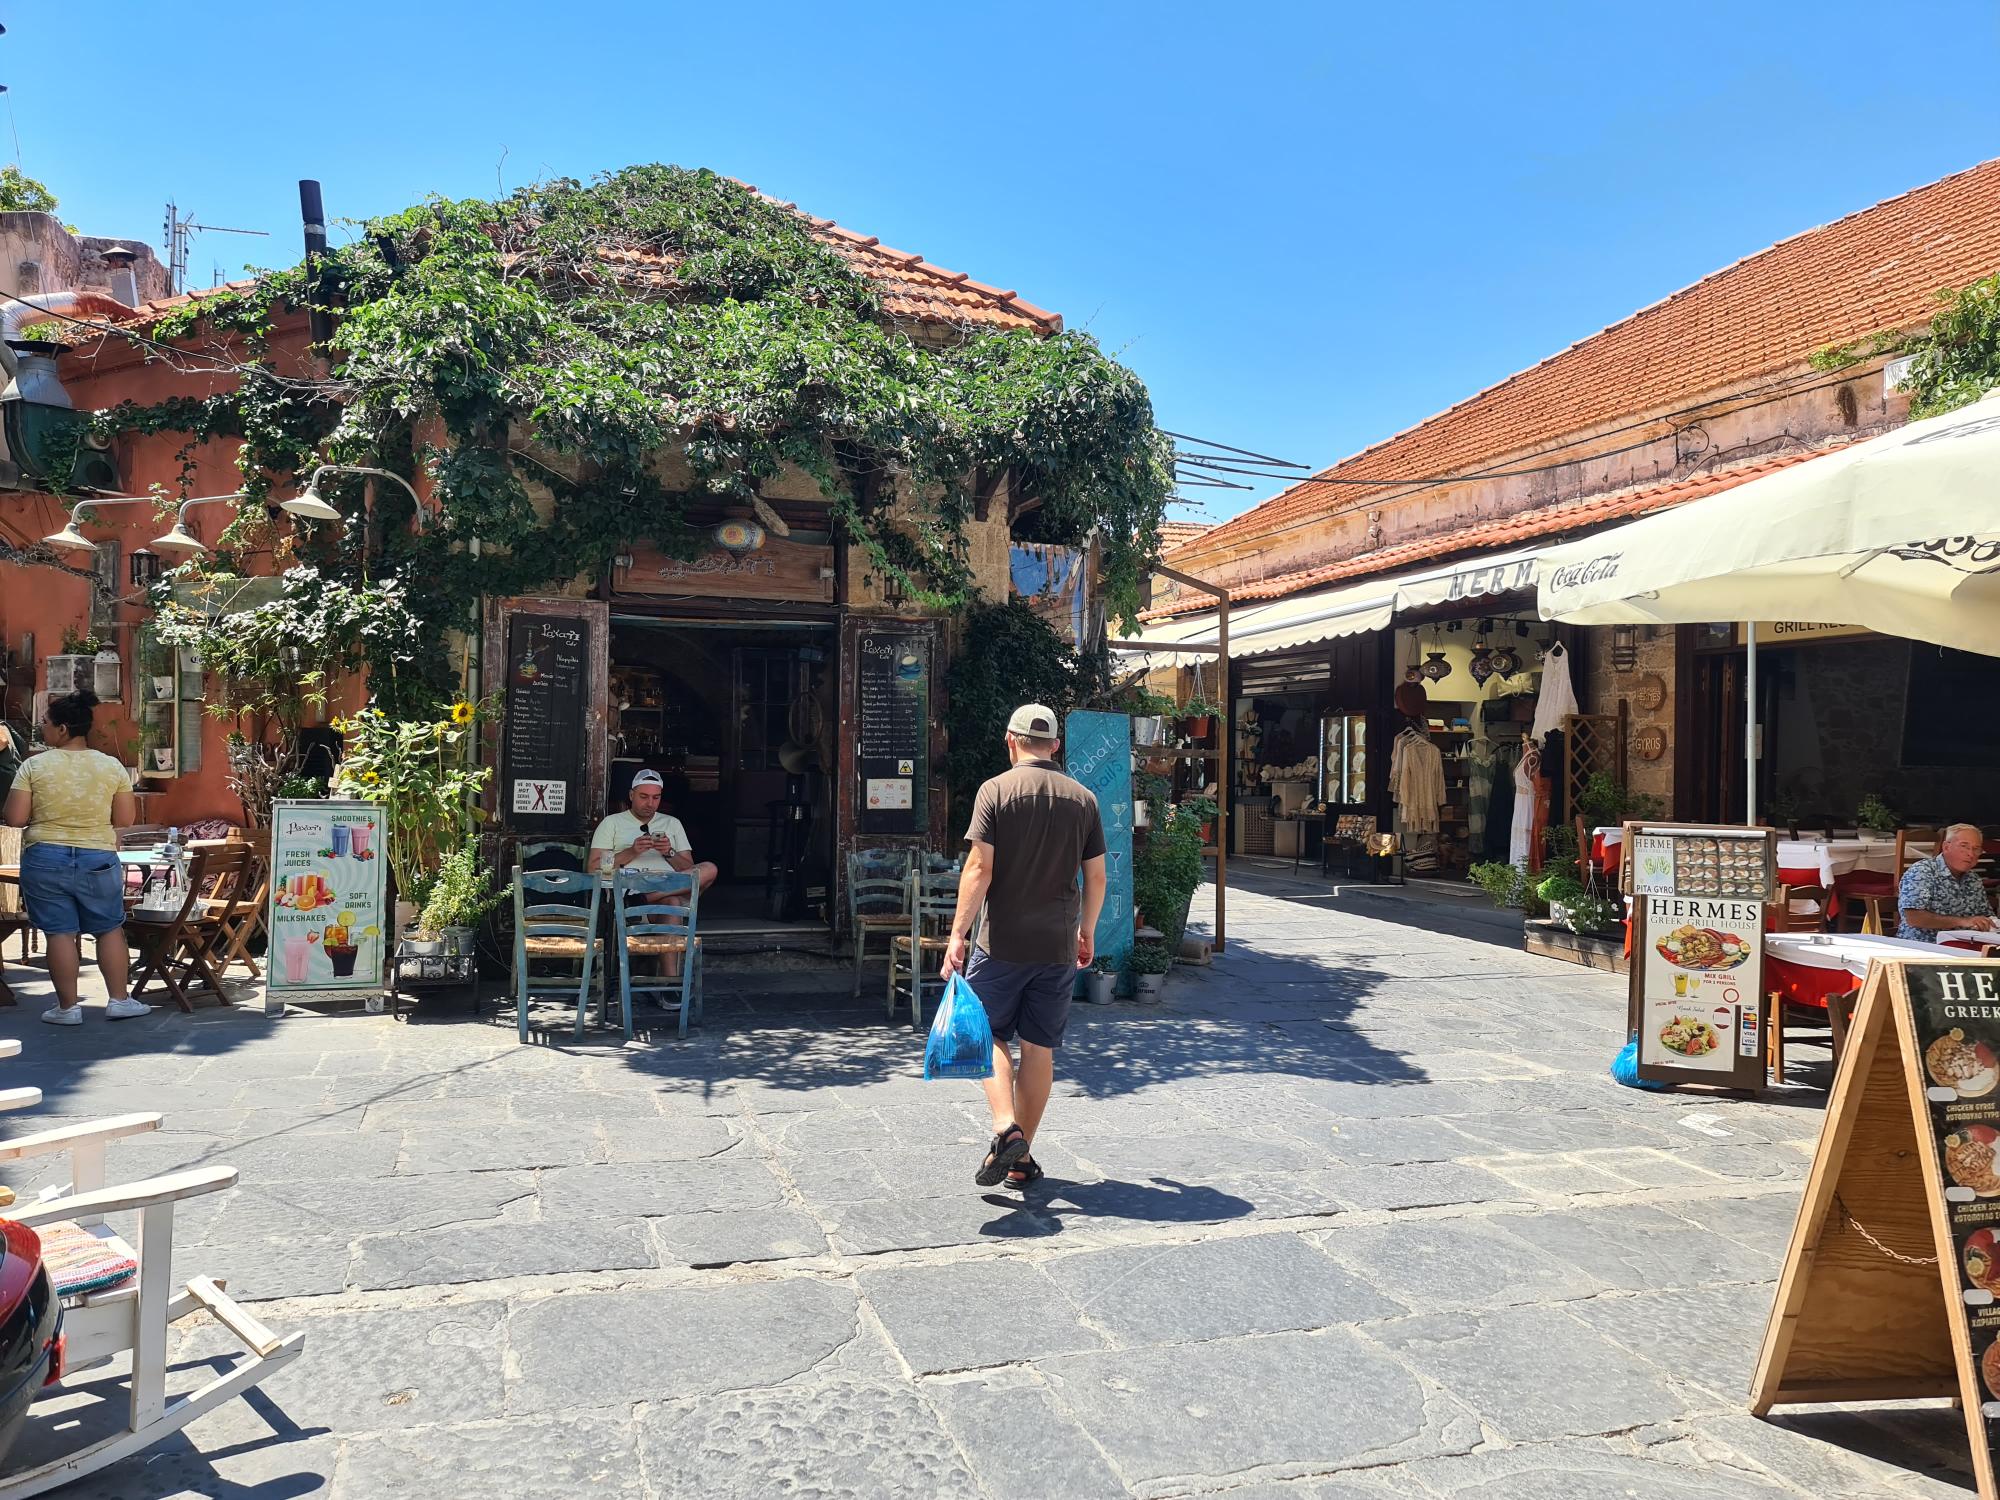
{"x":1601,"y":687}
{"x":1838,"y":735}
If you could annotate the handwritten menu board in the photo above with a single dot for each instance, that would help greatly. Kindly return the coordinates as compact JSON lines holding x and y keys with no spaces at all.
{"x":1097,"y":751}
{"x":541,"y":748}
{"x":892,"y":748}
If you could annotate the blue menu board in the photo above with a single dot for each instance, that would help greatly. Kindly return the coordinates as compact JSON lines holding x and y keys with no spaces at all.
{"x":1098,"y":753}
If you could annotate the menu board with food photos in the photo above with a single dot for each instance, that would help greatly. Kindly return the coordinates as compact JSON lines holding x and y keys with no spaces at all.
{"x":1697,"y":968}
{"x":1891,"y":1287}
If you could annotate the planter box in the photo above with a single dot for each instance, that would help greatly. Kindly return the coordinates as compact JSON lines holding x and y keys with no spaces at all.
{"x":1551,"y":941}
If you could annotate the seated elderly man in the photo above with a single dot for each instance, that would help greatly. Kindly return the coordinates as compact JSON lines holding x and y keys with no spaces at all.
{"x":1941,"y":893}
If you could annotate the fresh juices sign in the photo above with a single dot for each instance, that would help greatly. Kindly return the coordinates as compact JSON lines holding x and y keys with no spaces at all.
{"x":326,"y":916}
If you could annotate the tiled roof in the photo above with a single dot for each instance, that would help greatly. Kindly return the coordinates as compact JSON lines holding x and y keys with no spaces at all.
{"x":1179,"y":533}
{"x":912,"y":289}
{"x":1526,"y":526}
{"x":1876,"y":269}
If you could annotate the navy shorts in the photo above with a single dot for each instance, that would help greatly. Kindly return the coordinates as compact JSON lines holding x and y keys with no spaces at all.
{"x":1031,"y":999}
{"x":69,"y":890}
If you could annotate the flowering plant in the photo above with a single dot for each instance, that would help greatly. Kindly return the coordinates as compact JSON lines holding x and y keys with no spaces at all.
{"x":421,"y":771}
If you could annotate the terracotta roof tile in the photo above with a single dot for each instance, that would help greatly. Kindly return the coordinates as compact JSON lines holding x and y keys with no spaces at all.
{"x":1179,"y":533}
{"x":1876,"y":269}
{"x":1525,"y":526}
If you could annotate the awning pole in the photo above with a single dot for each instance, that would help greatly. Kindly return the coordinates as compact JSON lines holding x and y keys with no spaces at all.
{"x":1750,"y":722}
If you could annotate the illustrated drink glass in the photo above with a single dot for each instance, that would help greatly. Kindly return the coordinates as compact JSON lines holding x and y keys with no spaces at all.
{"x":358,"y":837}
{"x":297,"y":951}
{"x":341,"y":835}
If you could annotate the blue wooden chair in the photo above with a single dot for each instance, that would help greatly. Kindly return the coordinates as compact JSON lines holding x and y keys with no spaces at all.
{"x":658,"y":929}
{"x":932,"y":903}
{"x":877,"y":890}
{"x":564,"y":928}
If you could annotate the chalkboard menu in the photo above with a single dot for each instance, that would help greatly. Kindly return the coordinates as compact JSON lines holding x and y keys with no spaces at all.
{"x":547,"y":684}
{"x":892,"y":749}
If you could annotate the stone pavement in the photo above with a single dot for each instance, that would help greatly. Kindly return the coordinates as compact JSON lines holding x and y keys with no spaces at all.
{"x":1355,"y":1214}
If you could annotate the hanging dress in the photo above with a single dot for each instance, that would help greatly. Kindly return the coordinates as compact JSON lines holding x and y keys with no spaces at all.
{"x":1523,"y":833}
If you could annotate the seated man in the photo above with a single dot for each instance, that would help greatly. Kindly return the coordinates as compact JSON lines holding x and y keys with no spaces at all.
{"x":1941,"y":893}
{"x":646,"y":839}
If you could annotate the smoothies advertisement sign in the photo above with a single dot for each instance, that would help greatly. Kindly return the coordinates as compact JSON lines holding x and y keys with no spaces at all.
{"x":326,"y":915}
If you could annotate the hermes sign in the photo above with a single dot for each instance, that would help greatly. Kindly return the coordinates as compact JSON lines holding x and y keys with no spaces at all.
{"x":794,"y":572}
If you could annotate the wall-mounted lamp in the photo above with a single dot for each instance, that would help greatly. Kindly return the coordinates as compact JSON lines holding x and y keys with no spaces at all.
{"x":1624,"y":647}
{"x":73,"y":539}
{"x":179,"y":539}
{"x":145,"y":567}
{"x":310,"y":506}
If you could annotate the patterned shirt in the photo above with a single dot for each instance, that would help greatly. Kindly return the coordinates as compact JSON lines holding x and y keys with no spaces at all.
{"x":1929,"y":886}
{"x":71,"y":792}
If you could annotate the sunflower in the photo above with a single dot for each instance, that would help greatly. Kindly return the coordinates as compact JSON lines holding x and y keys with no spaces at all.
{"x":370,"y":777}
{"x":461,"y":713}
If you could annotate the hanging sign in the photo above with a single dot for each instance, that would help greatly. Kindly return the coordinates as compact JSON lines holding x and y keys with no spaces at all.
{"x":547,"y":685}
{"x":326,"y":913}
{"x":1888,"y":1289}
{"x":1697,"y":973}
{"x":892,"y":745}
{"x":1097,"y":751}
{"x":790,"y":570}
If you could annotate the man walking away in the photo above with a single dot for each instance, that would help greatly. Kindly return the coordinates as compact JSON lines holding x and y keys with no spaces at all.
{"x":1033,"y":828}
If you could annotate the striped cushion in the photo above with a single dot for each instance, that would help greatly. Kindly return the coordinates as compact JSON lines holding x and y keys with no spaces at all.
{"x":80,"y":1262}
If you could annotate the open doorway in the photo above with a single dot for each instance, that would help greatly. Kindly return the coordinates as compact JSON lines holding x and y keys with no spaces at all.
{"x":738,"y":718}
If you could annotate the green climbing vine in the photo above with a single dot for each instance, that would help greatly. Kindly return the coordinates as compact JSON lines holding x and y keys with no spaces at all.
{"x":1953,"y":362}
{"x":535,"y":357}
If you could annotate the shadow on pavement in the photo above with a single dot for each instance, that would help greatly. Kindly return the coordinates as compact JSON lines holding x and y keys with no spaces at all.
{"x":1043,"y":1208}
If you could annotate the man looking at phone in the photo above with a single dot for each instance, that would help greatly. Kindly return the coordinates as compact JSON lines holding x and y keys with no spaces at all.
{"x":647,"y":840}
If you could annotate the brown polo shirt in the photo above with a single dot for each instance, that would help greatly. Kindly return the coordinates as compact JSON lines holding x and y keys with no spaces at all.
{"x":1042,"y":825}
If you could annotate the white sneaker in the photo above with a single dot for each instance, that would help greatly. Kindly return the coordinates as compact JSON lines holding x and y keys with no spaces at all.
{"x":55,"y":1015}
{"x":124,"y":1009}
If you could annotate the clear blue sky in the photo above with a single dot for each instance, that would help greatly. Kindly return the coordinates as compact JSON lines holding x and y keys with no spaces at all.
{"x":1305,"y":226}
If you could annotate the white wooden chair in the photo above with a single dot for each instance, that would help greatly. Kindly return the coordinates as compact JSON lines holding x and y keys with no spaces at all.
{"x":131,"y":1311}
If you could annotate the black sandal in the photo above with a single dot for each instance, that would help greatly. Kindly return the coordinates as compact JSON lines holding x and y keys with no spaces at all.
{"x":1009,"y":1146}
{"x":1026,"y":1171}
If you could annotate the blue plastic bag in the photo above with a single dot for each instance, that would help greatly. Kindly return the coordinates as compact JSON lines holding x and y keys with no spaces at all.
{"x":961,"y":1040}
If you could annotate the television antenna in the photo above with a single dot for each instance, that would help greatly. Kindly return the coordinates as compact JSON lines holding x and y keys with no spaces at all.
{"x":177,"y":231}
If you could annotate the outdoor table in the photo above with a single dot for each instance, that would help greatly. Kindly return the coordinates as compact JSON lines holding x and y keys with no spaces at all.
{"x":1806,"y":967}
{"x":1607,"y":849}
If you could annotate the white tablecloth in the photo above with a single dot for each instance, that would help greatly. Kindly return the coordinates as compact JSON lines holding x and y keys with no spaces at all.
{"x":1836,"y":857}
{"x":1841,"y":950}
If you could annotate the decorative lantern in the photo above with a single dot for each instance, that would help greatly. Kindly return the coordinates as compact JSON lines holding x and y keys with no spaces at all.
{"x":1482,"y":664}
{"x":1624,"y":647}
{"x":1436,"y":668}
{"x":1506,"y":661}
{"x":145,"y":568}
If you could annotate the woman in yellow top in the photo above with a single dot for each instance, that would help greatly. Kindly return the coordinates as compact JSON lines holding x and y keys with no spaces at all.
{"x":72,"y":800}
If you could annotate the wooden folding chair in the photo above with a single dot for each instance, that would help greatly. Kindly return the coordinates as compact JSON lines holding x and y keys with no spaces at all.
{"x":119,"y":1299}
{"x":933,"y":902}
{"x":1802,"y":908}
{"x":239,"y":928}
{"x":555,"y":929}
{"x":663,"y":929}
{"x":184,"y":946}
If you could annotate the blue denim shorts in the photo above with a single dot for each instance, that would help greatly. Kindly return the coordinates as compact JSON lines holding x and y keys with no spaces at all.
{"x":69,"y":890}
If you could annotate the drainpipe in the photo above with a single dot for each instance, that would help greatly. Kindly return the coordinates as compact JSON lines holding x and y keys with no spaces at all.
{"x":312,"y":214}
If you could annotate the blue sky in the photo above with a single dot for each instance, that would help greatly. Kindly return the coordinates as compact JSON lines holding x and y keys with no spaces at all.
{"x":1305,"y":226}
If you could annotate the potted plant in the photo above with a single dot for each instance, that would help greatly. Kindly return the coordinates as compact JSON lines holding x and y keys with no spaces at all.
{"x":1149,"y":711}
{"x":1876,"y":816}
{"x":1149,"y":964}
{"x":1170,"y":864}
{"x":1195,"y":716}
{"x":1100,"y":981}
{"x":461,"y":895}
{"x":1587,"y":914}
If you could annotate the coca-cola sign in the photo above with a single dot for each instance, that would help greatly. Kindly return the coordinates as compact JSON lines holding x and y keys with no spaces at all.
{"x":1579,"y":575}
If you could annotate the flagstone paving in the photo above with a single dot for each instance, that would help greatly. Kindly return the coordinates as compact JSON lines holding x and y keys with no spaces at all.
{"x":1357,"y":1213}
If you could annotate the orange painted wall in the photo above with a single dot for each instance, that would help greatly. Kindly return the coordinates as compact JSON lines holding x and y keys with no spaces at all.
{"x":45,"y":602}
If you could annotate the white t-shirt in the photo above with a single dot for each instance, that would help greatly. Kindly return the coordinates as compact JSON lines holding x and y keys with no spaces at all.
{"x":618,"y":832}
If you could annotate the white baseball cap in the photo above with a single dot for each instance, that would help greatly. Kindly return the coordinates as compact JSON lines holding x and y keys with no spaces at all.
{"x":1034,"y":721}
{"x":648,"y":778}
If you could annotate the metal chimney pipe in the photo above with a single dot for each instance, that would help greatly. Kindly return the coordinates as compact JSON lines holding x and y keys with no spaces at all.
{"x":124,"y":280}
{"x":313,"y":215}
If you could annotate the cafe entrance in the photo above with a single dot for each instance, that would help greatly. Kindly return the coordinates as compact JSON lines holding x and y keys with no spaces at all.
{"x":738,"y":717}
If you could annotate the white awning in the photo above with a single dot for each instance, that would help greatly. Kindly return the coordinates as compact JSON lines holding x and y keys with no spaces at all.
{"x":1349,"y":608}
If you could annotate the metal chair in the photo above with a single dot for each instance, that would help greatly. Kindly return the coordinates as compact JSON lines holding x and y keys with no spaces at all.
{"x":564,"y":928}
{"x":877,"y":888}
{"x":665,"y":929}
{"x":933,"y":902}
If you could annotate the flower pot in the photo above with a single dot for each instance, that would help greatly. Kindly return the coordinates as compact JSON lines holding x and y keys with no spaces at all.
{"x":163,"y":759}
{"x":458,"y":941}
{"x":1100,"y":989}
{"x":1148,"y":730}
{"x":429,"y":945}
{"x":163,"y":687}
{"x":1146,"y":988}
{"x":1196,"y":727}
